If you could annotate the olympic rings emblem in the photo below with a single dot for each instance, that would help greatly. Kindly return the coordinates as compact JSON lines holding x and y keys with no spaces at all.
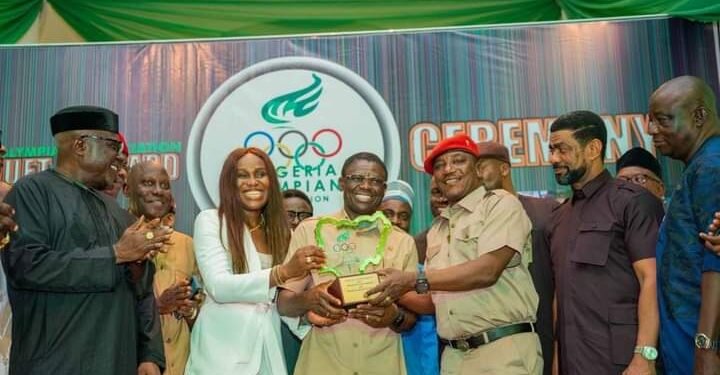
{"x":338,"y":247}
{"x":282,"y":144}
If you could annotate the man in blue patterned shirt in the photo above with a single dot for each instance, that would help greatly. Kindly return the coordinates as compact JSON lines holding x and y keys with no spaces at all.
{"x":684,"y":125}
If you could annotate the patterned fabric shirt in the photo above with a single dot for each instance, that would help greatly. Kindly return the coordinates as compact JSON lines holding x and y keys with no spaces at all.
{"x":681,"y":257}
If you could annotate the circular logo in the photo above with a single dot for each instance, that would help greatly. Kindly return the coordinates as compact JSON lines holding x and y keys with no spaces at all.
{"x":308,"y":114}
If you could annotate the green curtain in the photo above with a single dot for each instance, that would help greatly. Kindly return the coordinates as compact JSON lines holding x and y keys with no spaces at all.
{"x":697,"y":10}
{"x":109,"y":20}
{"x":16,"y":17}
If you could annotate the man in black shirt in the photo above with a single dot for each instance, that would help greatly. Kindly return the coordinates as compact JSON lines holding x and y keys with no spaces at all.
{"x":78,"y":277}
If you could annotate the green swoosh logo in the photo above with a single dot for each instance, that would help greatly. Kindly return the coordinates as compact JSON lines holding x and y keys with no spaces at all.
{"x":300,"y":103}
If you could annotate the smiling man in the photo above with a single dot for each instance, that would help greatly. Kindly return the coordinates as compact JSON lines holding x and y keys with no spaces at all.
{"x":685,"y":126}
{"x":603,"y":250}
{"x":477,"y":271}
{"x":78,"y":277}
{"x":122,"y":173}
{"x":366,"y":338}
{"x":149,"y":196}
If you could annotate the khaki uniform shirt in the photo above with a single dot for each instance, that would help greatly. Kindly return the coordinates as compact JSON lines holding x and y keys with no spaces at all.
{"x":480,"y":223}
{"x":351,"y":347}
{"x":178,"y":262}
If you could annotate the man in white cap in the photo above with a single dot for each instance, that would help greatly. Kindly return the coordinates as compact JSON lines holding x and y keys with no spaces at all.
{"x":397,"y":204}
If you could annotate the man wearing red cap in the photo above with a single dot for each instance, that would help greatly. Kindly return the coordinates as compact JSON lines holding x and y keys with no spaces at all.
{"x":122,"y":169}
{"x":478,"y":252}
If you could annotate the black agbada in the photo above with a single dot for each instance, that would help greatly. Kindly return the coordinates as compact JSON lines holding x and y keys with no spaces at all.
{"x":74,"y":310}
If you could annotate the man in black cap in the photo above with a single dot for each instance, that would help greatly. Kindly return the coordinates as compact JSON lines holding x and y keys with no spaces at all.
{"x":640,"y":167}
{"x":79,"y":283}
{"x":493,"y":167}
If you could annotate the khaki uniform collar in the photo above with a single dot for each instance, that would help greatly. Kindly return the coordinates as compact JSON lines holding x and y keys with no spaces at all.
{"x":468,"y":203}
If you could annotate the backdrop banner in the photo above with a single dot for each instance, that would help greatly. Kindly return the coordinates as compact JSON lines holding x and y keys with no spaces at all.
{"x":312,"y":101}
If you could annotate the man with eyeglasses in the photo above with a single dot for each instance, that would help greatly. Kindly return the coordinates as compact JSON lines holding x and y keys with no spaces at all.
{"x":77,"y":271}
{"x":365,"y":338}
{"x":684,"y":125}
{"x":640,"y":167}
{"x":297,"y":206}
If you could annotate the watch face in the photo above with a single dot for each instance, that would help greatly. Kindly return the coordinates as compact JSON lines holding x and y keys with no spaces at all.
{"x":421,"y":287}
{"x":649,"y":353}
{"x":702,"y":341}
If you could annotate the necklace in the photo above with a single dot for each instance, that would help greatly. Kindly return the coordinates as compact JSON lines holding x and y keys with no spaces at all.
{"x":261,"y":224}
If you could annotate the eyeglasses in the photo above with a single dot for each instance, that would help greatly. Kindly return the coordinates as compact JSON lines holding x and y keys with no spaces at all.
{"x":113,"y":144}
{"x":640,"y":178}
{"x":299,"y":215}
{"x":357,"y":179}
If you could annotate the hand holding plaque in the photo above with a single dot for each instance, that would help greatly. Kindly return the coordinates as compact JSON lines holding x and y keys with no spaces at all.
{"x":323,"y":308}
{"x":351,"y":289}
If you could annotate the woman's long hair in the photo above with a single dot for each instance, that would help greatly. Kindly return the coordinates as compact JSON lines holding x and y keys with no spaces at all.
{"x":277,"y":232}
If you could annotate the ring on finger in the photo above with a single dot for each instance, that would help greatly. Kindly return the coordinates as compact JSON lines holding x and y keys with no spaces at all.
{"x":308,"y":259}
{"x":149,"y":235}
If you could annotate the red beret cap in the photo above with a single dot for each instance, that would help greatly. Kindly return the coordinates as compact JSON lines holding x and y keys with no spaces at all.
{"x":460,"y":142}
{"x":125,"y":149}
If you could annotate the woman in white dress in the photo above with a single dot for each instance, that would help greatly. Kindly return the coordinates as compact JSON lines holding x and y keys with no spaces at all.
{"x":240,"y":248}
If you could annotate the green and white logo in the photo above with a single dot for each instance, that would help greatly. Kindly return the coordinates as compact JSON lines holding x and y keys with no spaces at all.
{"x":299,"y":103}
{"x":308,"y":114}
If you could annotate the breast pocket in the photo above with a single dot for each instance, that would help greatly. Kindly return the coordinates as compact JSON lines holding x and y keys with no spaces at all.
{"x":464,"y":246}
{"x":592,"y":245}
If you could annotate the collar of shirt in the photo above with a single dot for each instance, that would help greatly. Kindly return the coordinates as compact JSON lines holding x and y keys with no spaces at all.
{"x":468,"y":203}
{"x":710,"y":145}
{"x":592,"y":187}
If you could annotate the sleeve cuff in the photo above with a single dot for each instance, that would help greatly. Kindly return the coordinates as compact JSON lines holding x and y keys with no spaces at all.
{"x":711,"y":262}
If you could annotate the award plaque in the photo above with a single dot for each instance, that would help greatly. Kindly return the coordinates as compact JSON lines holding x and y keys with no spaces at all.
{"x":345,"y":263}
{"x":351,"y":289}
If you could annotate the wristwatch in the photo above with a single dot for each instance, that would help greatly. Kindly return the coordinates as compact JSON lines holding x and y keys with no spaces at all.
{"x":421,"y":283}
{"x":647,"y":352}
{"x":702,"y":341}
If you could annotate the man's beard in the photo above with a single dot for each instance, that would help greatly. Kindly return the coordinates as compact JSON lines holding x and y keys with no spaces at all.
{"x":572,"y":176}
